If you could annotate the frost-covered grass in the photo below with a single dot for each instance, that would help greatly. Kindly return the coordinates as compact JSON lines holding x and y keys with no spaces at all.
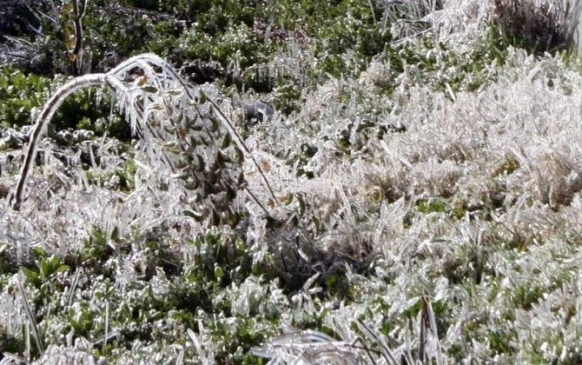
{"x":425,"y":209}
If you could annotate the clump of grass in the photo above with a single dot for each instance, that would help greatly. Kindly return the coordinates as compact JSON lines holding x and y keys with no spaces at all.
{"x":538,"y":26}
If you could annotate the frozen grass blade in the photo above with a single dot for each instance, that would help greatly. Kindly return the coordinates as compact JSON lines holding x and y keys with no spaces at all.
{"x":427,"y":308}
{"x":31,"y":319}
{"x":73,"y":287}
{"x":196,"y":343}
{"x":206,"y":357}
{"x":378,"y":340}
{"x":106,"y":335}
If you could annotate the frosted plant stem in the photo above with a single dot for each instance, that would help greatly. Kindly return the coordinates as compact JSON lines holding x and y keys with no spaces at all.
{"x":31,"y":320}
{"x":43,"y":120}
{"x":243,"y":147}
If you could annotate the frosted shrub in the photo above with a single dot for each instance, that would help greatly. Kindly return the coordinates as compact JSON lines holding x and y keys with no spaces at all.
{"x":183,"y":133}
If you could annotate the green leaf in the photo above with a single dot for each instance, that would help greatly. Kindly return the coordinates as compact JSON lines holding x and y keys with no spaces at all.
{"x":150,"y":89}
{"x":226,"y":141}
{"x":31,"y":275}
{"x":61,"y":268}
{"x":193,"y":214}
{"x":218,"y":272}
{"x":175,"y":92}
{"x":45,"y":268}
{"x":157,"y":106}
{"x":202,"y":97}
{"x":39,"y":252}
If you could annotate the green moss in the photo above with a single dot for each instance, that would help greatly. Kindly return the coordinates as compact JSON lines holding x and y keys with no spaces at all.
{"x":508,"y":167}
{"x":433,"y":205}
{"x":500,"y":340}
{"x":239,"y":336}
{"x":526,"y":296}
{"x":453,"y":209}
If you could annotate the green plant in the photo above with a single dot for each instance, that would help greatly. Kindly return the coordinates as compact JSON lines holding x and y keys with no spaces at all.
{"x":20,"y":94}
{"x":45,"y":271}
